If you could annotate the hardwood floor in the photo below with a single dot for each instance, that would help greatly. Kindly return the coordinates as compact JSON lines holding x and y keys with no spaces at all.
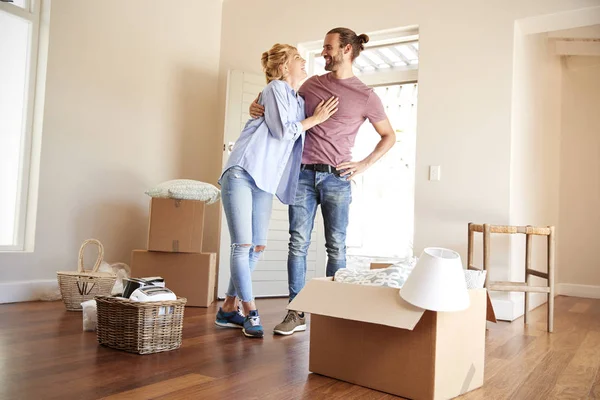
{"x":45,"y":355}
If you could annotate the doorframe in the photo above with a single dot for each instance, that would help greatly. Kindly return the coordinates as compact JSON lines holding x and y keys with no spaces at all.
{"x":510,"y":306}
{"x":233,"y":77}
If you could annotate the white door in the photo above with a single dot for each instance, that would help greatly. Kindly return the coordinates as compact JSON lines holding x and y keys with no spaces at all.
{"x":270,"y":277}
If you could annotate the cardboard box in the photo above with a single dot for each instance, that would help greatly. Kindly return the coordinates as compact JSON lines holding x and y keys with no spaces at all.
{"x":370,"y":336}
{"x":189,"y":275}
{"x":176,"y":225}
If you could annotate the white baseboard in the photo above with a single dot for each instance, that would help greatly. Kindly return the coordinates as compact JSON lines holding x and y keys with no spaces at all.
{"x":506,"y":309}
{"x":574,"y":290}
{"x":511,"y":309}
{"x":14,"y":292}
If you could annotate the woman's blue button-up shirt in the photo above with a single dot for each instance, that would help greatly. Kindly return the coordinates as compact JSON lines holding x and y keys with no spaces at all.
{"x":270,"y":147}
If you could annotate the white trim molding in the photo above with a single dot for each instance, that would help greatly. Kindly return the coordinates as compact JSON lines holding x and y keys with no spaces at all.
{"x":575,"y":290}
{"x":506,"y":309}
{"x":560,"y":21}
{"x":577,"y":47}
{"x":15,"y":292}
{"x":378,"y":38}
{"x":514,"y":307}
{"x":400,"y":75}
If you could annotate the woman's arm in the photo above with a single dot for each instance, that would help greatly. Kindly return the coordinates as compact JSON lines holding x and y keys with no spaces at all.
{"x":278,"y":110}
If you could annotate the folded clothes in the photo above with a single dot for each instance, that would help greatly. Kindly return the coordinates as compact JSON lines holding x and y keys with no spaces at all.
{"x":395,"y":275}
{"x":475,"y":279}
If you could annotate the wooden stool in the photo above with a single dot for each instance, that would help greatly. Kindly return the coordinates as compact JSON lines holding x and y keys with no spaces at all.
{"x":526,"y":287}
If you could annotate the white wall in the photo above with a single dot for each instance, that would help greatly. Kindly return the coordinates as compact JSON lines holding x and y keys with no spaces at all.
{"x":130,"y":102}
{"x":579,"y":268}
{"x":465,"y":93}
{"x":535,"y":152}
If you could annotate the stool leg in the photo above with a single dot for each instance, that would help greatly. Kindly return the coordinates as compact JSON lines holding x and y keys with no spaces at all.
{"x":551,"y":264}
{"x":486,"y":252}
{"x":528,"y":239}
{"x":470,"y":247}
{"x":527,"y":305}
{"x":551,"y":311}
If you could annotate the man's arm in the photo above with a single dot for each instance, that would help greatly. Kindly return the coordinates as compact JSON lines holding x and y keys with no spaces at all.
{"x":388,"y":138}
{"x":324,"y":110}
{"x":256,"y":110}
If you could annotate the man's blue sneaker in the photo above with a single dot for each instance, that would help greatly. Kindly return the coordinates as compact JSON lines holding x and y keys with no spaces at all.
{"x":233,"y":319}
{"x":252,"y":327}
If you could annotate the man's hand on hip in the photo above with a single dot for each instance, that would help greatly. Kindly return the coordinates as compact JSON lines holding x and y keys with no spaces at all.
{"x":388,"y":139}
{"x":353,"y":168}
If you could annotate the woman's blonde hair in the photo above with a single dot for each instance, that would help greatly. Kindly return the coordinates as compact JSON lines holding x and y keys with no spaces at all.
{"x":272,"y":60}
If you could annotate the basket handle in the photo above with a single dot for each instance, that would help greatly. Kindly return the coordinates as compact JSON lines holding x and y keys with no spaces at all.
{"x":98,"y":260}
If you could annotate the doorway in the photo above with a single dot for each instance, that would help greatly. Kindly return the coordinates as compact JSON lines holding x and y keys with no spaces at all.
{"x":382,"y":210}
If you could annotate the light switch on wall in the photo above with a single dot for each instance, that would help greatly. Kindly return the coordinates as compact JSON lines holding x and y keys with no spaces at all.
{"x":434,"y":172}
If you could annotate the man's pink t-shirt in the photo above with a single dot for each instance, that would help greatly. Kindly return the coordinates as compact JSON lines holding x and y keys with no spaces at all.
{"x":331,"y":142}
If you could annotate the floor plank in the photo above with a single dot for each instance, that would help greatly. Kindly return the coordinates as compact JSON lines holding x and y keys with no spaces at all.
{"x":164,"y":388}
{"x":45,"y":355}
{"x":595,"y":390}
{"x":577,"y":379}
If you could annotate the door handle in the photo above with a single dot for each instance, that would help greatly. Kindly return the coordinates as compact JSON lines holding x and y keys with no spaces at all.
{"x":230,"y":147}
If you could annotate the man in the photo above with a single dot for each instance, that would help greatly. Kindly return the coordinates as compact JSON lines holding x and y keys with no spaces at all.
{"x":326,"y":168}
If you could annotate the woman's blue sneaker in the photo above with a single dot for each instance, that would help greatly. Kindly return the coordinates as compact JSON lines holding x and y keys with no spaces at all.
{"x":233,"y":319}
{"x":252,"y":327}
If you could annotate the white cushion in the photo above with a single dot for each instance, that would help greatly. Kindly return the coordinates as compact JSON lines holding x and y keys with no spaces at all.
{"x":393,"y":276}
{"x":186,"y":189}
{"x":475,"y":279}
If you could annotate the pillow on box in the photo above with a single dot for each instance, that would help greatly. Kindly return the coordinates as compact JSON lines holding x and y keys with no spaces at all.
{"x":185,"y":189}
{"x":393,"y":276}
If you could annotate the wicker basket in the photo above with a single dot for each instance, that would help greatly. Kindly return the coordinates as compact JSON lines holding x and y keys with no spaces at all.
{"x":79,"y":286}
{"x":140,"y":327}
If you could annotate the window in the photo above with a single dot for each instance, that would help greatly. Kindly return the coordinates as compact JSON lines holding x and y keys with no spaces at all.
{"x":376,"y":58}
{"x":19,"y":46}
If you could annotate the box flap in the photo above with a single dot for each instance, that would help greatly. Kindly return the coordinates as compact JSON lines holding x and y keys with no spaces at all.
{"x":490,"y":314}
{"x":373,"y":304}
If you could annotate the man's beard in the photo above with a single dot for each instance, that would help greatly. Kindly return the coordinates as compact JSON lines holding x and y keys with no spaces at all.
{"x":336,"y":61}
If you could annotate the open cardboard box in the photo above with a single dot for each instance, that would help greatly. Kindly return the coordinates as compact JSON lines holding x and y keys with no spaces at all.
{"x":370,"y":336}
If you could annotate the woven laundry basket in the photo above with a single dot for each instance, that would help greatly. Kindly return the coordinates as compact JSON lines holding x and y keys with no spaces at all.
{"x":140,"y":327}
{"x":79,"y":286}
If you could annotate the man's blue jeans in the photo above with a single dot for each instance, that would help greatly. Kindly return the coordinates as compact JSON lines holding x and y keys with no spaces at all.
{"x":334,"y":194}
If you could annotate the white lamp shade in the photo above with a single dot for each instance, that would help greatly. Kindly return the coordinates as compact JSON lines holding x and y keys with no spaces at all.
{"x":437,"y":282}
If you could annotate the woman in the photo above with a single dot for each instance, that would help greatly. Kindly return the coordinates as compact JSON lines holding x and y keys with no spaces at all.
{"x":265,"y":161}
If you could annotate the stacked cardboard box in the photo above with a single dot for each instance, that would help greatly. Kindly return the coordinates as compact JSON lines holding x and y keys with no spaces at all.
{"x":174,"y":251}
